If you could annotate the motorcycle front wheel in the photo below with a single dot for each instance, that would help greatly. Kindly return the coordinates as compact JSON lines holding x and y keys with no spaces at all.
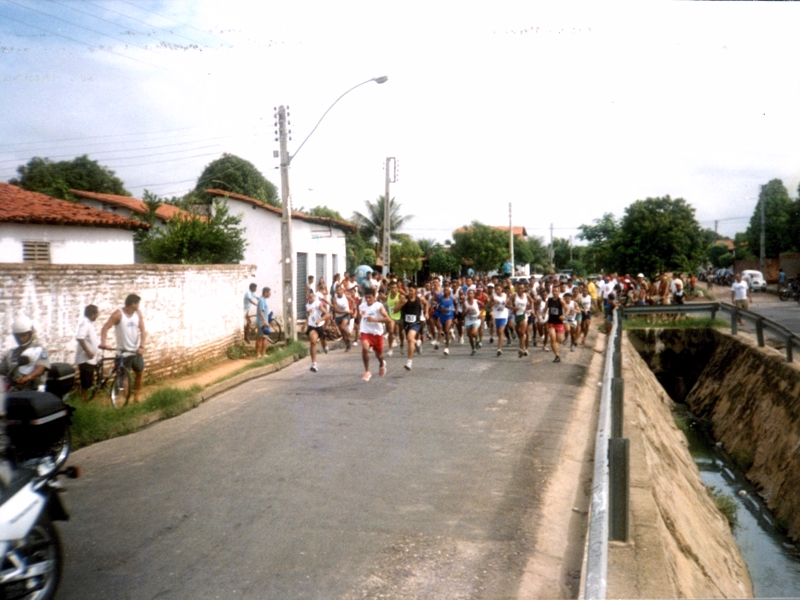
{"x":41,"y":551}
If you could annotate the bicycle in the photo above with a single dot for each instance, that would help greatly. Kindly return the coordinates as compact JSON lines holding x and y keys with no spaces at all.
{"x":116,"y":382}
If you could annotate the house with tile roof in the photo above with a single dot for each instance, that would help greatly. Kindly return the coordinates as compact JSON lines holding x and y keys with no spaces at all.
{"x":317,"y":242}
{"x":36,"y":228}
{"x":126,"y":206}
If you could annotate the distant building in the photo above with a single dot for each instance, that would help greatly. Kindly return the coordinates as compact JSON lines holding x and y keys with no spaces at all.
{"x":317,"y":242}
{"x":127,"y":206}
{"x":36,"y":228}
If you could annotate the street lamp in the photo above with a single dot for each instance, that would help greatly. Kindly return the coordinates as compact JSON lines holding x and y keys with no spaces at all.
{"x":286,"y":218}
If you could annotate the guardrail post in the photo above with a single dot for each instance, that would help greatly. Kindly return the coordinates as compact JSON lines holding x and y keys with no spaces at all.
{"x":789,"y":344}
{"x":734,"y":320}
{"x":617,"y":407}
{"x":619,"y":500}
{"x":760,"y":332}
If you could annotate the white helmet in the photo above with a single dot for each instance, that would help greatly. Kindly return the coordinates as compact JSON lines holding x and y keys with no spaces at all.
{"x":22,"y":324}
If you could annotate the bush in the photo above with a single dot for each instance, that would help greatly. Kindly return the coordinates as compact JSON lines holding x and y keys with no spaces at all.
{"x":726,"y":505}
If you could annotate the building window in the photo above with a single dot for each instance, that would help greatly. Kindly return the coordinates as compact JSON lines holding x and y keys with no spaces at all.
{"x":36,"y":252}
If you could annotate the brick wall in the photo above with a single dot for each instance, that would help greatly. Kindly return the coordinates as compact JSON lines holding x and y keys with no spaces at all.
{"x":192,"y":313}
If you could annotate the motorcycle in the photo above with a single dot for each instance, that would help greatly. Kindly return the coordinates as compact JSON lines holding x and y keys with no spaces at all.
{"x":791,"y":290}
{"x":37,"y":425}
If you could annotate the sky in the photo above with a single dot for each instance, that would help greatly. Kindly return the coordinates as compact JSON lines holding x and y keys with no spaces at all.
{"x":565,"y":110}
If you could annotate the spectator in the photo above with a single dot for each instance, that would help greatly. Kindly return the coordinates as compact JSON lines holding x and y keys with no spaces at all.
{"x":250,"y":301}
{"x":128,"y":324}
{"x":263,"y":319}
{"x":86,"y":348}
{"x":26,"y":365}
{"x":740,"y":295}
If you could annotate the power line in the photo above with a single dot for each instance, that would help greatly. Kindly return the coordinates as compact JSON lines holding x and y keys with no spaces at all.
{"x":106,"y":136}
{"x":66,"y":37}
{"x":166,"y":160}
{"x":148,"y":24}
{"x":76,"y":25}
{"x":164,"y":17}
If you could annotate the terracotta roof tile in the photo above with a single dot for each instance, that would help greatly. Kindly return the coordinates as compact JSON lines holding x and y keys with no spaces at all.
{"x":343,"y":225}
{"x":164,"y":212}
{"x":21,"y":206}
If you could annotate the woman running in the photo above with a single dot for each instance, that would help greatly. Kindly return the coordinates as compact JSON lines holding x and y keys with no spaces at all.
{"x":446,"y":313}
{"x":521,"y":304}
{"x":586,"y":304}
{"x":500,"y":317}
{"x":472,"y":320}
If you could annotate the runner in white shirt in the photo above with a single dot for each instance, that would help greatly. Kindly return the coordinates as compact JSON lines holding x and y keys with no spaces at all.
{"x":500,"y":317}
{"x":586,"y":303}
{"x":315,"y":326}
{"x":342,"y":315}
{"x":521,"y":304}
{"x":373,"y":319}
{"x":571,"y":320}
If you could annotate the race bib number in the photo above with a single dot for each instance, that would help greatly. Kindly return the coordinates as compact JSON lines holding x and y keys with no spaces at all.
{"x":411,"y":318}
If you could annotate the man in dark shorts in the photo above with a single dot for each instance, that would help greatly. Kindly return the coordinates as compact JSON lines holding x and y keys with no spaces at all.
{"x":86,"y":350}
{"x":556,"y":312}
{"x":315,"y":326}
{"x":412,"y":307}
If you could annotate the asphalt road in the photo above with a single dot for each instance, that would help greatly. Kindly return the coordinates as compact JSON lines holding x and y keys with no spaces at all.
{"x":787,"y":313}
{"x":423,"y":484}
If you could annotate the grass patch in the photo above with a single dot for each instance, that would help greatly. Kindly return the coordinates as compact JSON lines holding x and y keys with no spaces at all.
{"x":275,"y":354}
{"x":726,"y":505}
{"x":687,"y":323}
{"x":681,"y":422}
{"x":93,"y":423}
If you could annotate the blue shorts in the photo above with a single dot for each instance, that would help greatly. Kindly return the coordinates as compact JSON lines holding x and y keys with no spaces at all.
{"x":500,"y":322}
{"x":445,"y":318}
{"x":413,"y":327}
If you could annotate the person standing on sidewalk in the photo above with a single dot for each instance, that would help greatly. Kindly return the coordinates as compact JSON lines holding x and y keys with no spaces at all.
{"x":86,"y":350}
{"x":263,"y":319}
{"x":128,"y":324}
{"x":373,"y":319}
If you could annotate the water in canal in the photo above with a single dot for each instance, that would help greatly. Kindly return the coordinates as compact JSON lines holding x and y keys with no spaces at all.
{"x":772,"y":558}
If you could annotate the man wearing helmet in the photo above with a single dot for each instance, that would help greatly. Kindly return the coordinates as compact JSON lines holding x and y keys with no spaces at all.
{"x":26,"y":365}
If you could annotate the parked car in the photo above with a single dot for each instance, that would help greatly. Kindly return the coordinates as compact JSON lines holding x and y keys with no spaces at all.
{"x":755,"y":280}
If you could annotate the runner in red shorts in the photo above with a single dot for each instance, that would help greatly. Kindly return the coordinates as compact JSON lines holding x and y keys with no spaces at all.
{"x":373,"y":318}
{"x":556,"y":311}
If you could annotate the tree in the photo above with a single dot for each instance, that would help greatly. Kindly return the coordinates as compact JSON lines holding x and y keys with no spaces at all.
{"x":539,"y":254}
{"x":197,"y":240}
{"x":323,"y":211}
{"x":406,"y":257}
{"x":57,"y":178}
{"x":359,"y":251}
{"x":714,"y":254}
{"x":443,"y":261}
{"x":428,"y":247}
{"x":779,"y":210}
{"x":657,"y":235}
{"x":370,"y":224}
{"x":482,"y":246}
{"x":603,"y":237}
{"x":233,"y":174}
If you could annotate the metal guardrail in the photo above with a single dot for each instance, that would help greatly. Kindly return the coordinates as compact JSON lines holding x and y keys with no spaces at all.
{"x":597,"y":553}
{"x":761,"y":322}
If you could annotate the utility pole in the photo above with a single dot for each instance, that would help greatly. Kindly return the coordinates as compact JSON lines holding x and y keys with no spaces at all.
{"x":286,"y":230}
{"x":762,"y":262}
{"x":511,"y":239}
{"x":552,"y":254}
{"x":387,"y":215}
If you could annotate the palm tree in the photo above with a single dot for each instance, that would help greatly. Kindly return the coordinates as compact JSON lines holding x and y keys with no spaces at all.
{"x":428,"y":246}
{"x":370,"y":226}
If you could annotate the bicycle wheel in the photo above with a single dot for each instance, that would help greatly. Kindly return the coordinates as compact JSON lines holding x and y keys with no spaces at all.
{"x":276,"y":333}
{"x":121,"y":388}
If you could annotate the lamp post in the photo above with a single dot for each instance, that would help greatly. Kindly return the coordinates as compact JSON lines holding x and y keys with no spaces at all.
{"x":287,"y":262}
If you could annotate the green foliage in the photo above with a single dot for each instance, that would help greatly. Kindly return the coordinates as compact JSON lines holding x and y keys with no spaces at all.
{"x":482,"y":246}
{"x":743,"y":459}
{"x":197,"y":240}
{"x":371,"y":223}
{"x":742,"y":248}
{"x":323,"y":211}
{"x":726,"y":505}
{"x":715,"y":252}
{"x":359,"y":251}
{"x":603,"y":238}
{"x":688,"y":322}
{"x":444,"y":262}
{"x":428,"y":247}
{"x":57,"y":178}
{"x":406,"y":257}
{"x":539,"y":258}
{"x":780,"y":221}
{"x":654,"y":236}
{"x":233,"y":174}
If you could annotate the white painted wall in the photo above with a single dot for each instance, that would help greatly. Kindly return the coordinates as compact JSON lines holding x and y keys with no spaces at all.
{"x":69,"y":245}
{"x":263,"y":234}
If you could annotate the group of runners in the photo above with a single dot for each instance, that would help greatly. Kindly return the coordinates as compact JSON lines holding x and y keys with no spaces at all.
{"x":383,"y":314}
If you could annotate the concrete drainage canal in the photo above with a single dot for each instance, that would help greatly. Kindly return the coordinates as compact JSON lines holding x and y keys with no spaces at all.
{"x":739,"y":407}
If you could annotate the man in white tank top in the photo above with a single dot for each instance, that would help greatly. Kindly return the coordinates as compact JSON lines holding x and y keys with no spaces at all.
{"x":128,"y":326}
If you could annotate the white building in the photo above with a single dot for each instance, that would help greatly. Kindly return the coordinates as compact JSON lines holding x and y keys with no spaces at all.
{"x":317,"y":242}
{"x":36,"y":228}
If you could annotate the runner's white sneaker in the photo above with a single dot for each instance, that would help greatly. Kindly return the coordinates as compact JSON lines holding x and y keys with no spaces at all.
{"x":407,"y":366}
{"x":435,"y":345}
{"x":314,"y":367}
{"x":382,"y":372}
{"x":447,"y":351}
{"x":390,"y":352}
{"x":499,"y":352}
{"x":367,"y":376}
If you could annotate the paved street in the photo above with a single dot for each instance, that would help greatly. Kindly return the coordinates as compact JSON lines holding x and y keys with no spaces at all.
{"x":786,"y":313}
{"x":425,"y":484}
